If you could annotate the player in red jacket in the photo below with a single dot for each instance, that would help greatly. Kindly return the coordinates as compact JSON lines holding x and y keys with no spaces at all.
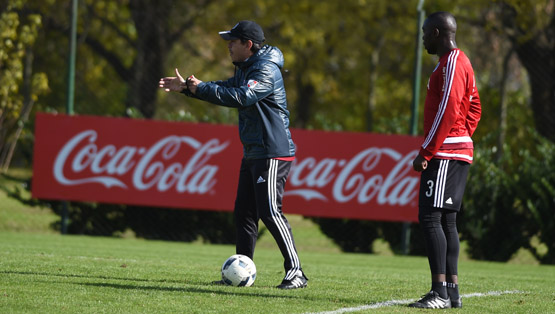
{"x":451,"y":114}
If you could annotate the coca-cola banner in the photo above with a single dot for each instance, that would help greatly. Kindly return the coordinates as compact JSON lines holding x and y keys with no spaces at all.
{"x":196,"y":166}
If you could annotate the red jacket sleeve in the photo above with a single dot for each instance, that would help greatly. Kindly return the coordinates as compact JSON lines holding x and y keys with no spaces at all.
{"x":451,"y":97}
{"x":474,"y":112}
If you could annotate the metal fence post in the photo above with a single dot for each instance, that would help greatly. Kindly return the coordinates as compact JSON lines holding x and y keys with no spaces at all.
{"x":70,"y":91}
{"x":405,"y":236}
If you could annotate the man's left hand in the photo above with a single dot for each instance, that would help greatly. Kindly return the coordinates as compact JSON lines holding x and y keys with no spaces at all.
{"x":192,"y":84}
{"x":420,"y":163}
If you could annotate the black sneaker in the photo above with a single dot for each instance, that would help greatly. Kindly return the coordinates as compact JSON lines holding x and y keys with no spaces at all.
{"x":456,"y":303}
{"x":299,"y":281}
{"x":432,"y":300}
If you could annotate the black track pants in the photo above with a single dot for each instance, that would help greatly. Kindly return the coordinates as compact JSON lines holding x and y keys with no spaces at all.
{"x":259,"y":196}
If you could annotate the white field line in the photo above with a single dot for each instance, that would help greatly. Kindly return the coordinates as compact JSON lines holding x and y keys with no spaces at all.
{"x":403,"y":302}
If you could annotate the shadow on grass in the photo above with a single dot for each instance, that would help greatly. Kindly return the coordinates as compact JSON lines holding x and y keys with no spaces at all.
{"x":210,"y":288}
{"x":239,"y":291}
{"x":30,"y":273}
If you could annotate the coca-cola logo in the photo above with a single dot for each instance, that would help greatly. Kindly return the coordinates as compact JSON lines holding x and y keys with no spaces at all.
{"x":81,"y":161}
{"x":359,"y":178}
{"x":182,"y":163}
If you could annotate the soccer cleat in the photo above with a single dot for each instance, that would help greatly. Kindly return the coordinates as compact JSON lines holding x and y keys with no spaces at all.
{"x":299,"y":281}
{"x":456,"y":303}
{"x":432,"y":300}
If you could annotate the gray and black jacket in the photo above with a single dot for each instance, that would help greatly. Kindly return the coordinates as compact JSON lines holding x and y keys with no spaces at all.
{"x":257,"y":90}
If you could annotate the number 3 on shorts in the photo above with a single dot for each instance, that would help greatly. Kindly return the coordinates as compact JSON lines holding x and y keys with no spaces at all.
{"x":430,"y":186}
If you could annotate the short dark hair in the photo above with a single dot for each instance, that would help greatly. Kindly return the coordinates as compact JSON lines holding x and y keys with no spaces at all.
{"x":255,"y":46}
{"x":444,"y":21}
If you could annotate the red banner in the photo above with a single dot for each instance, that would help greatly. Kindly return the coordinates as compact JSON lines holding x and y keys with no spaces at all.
{"x":194,"y":165}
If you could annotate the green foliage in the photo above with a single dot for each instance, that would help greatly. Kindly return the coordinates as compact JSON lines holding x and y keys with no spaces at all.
{"x":531,"y":16}
{"x":181,"y":225}
{"x":98,"y":89}
{"x":145,"y":222}
{"x":492,"y":226}
{"x":358,"y":235}
{"x":328,"y":47}
{"x":509,"y":201}
{"x":96,"y":219}
{"x":18,"y":32}
{"x":538,"y":172}
{"x":350,"y":235}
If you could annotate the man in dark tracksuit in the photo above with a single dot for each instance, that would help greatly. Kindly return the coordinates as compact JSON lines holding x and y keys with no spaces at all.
{"x":257,"y":91}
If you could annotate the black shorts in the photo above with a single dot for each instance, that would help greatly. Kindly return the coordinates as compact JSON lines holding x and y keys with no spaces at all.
{"x":442,"y":184}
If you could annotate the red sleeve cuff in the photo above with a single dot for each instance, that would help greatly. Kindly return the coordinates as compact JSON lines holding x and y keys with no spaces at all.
{"x":426,"y":154}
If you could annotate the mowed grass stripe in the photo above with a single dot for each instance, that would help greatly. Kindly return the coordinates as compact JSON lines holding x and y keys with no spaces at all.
{"x":50,"y":273}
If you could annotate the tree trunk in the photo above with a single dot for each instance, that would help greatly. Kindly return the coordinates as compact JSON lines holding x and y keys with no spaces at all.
{"x":503,"y":106}
{"x":373,"y":78}
{"x":539,"y":60}
{"x":305,"y":93}
{"x":536,"y":52}
{"x":150,"y":20}
{"x":25,"y":109}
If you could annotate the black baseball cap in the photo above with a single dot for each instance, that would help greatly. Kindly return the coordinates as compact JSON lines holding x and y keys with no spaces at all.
{"x":245,"y":30}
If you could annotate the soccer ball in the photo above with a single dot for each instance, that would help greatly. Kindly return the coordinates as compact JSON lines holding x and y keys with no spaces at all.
{"x":239,"y":271}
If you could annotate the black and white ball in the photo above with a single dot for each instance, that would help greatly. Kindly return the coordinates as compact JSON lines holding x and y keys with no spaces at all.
{"x":239,"y":271}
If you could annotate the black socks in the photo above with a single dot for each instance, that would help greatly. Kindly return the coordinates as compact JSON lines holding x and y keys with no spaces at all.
{"x":453,"y":290}
{"x":441,"y":288}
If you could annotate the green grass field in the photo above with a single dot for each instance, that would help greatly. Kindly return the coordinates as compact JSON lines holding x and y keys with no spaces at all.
{"x":44,"y":272}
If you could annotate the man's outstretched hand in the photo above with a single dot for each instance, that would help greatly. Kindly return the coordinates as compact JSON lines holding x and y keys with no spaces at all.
{"x":173,"y":83}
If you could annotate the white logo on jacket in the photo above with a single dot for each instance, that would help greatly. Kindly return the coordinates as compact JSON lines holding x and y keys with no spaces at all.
{"x":251,"y":83}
